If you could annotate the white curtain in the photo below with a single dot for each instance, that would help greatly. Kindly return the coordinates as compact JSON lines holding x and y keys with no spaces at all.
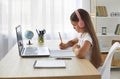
{"x":52,"y":15}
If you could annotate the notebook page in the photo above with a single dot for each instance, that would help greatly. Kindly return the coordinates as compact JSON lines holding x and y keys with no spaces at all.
{"x":49,"y":64}
{"x":61,"y":53}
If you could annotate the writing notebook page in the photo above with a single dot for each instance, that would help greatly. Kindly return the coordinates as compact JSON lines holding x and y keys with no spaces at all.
{"x":61,"y":53}
{"x":49,"y":64}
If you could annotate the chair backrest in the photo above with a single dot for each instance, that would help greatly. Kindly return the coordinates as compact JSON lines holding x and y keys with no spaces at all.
{"x":105,"y":69}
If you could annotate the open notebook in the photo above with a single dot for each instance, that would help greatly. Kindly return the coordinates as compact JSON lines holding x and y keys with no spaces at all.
{"x":49,"y":64}
{"x":61,"y":53}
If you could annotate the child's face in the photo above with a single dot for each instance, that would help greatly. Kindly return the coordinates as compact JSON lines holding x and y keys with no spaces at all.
{"x":76,"y":26}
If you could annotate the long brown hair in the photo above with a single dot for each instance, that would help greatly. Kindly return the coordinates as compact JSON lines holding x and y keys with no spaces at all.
{"x":95,"y":56}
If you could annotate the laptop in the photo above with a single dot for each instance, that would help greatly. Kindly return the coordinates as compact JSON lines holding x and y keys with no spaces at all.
{"x":29,"y":51}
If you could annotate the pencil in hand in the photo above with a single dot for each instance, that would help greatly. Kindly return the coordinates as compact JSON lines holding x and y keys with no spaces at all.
{"x":60,"y":37}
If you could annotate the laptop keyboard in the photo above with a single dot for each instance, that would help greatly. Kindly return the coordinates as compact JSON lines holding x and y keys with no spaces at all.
{"x":31,"y":48}
{"x":36,"y":51}
{"x":31,"y":51}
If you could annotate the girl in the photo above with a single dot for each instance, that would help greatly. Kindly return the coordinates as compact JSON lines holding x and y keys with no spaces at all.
{"x":86,"y":45}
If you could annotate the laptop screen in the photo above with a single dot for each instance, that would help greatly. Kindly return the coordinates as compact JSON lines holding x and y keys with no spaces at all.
{"x":19,"y":38}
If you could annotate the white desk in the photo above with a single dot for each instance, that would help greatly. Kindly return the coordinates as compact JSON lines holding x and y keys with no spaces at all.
{"x":12,"y":66}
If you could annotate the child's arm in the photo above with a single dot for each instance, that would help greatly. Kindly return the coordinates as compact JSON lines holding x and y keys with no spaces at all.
{"x":68,"y":44}
{"x":82,"y":51}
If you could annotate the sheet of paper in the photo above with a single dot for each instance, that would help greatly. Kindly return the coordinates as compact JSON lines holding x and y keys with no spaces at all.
{"x":49,"y":64}
{"x":61,"y":53}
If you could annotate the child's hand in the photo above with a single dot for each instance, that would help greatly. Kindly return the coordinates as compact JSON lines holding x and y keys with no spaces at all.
{"x":76,"y":46}
{"x":62,"y":46}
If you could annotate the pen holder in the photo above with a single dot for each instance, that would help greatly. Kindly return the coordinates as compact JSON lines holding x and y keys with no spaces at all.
{"x":40,"y":39}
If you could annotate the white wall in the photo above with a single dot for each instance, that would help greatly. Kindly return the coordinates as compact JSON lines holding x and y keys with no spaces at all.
{"x":3,"y":46}
{"x":86,"y":5}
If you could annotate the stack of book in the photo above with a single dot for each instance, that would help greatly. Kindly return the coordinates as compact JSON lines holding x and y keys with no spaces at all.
{"x":117,"y":30}
{"x":101,"y":11}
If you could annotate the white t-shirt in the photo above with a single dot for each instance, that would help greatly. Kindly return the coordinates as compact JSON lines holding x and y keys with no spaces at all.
{"x":82,"y":38}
